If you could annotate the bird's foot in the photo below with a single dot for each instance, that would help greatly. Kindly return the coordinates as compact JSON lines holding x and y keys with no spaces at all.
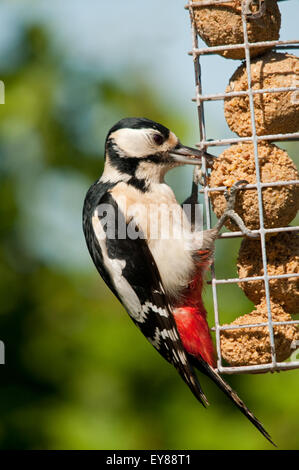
{"x":230,"y":212}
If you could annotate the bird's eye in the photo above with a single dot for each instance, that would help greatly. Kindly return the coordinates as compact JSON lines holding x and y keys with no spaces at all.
{"x":158,"y":139}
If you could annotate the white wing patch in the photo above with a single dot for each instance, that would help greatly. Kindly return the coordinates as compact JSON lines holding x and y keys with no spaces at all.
{"x":149,"y":305}
{"x":115,"y":268}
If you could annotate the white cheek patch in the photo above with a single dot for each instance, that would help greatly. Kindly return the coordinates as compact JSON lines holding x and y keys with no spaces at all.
{"x":134,"y":142}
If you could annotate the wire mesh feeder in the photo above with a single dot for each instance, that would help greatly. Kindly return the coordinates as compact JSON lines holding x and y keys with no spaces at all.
{"x":200,"y":99}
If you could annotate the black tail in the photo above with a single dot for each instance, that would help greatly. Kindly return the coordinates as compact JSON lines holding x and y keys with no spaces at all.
{"x":218,"y":380}
{"x":190,"y":378}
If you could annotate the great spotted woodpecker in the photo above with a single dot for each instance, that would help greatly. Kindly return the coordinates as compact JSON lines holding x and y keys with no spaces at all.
{"x":158,"y":277}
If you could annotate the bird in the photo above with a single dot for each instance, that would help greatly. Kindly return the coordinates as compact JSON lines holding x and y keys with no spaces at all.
{"x":145,"y":248}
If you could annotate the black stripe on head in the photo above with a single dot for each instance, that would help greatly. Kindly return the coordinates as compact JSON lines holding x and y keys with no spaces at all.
{"x":126,"y":165}
{"x":139,"y":123}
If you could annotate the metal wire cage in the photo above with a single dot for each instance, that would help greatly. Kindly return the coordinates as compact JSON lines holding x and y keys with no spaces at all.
{"x":200,"y":99}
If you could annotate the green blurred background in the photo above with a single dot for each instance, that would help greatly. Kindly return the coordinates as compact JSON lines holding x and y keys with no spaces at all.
{"x":78,"y":374}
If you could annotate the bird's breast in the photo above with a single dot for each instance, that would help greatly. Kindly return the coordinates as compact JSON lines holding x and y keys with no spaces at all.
{"x":166,"y":228}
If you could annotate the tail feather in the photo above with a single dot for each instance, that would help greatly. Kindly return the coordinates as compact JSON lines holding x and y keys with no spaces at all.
{"x":230,"y":393}
{"x":194,"y":385}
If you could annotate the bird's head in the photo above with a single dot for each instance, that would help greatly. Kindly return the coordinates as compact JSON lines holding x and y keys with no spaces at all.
{"x":145,"y":150}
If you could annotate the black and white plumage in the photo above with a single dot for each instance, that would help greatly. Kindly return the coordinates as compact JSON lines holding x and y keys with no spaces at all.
{"x":127,"y":266}
{"x":130,"y":271}
{"x":150,"y":274}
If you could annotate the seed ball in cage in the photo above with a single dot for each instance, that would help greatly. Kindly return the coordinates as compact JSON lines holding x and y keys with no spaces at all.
{"x":251,"y":345}
{"x":237,"y":163}
{"x":275,"y":113}
{"x":282,"y":252}
{"x":220,"y":25}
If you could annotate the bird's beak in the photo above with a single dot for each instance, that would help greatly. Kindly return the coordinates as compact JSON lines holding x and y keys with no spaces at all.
{"x":189,"y":156}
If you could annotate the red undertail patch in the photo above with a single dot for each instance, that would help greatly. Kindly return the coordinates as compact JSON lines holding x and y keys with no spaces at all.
{"x":190,"y":316}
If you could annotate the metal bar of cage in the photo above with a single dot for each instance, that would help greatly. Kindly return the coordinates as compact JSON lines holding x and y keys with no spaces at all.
{"x":200,"y":99}
{"x":272,"y":137}
{"x":256,"y":278}
{"x":255,"y":325}
{"x":220,"y":96}
{"x":281,"y":44}
{"x":267,"y":230}
{"x":213,"y":49}
{"x":212,"y":2}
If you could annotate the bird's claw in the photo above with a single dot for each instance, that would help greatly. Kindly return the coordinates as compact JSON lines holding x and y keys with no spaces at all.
{"x":230,"y":212}
{"x":230,"y":196}
{"x":258,"y":14}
